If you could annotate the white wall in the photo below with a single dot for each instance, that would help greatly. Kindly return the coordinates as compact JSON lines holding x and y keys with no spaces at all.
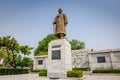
{"x":115,"y":57}
{"x":79,"y":56}
{"x":112,"y":60}
{"x":94,"y":63}
{"x":42,"y":66}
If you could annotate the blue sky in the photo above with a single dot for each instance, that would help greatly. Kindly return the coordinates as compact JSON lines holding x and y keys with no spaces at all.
{"x":96,"y":22}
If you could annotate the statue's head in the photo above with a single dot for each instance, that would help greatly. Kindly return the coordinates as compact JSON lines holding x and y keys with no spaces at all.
{"x":60,"y":10}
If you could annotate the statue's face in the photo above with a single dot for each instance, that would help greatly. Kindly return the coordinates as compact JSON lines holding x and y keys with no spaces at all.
{"x":60,"y":10}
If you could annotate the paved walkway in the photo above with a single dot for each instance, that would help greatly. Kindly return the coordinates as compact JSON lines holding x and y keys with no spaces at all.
{"x":36,"y":77}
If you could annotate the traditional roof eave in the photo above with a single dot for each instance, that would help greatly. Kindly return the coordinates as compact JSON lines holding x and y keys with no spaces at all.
{"x":42,"y":56}
{"x":104,"y":51}
{"x":116,"y":50}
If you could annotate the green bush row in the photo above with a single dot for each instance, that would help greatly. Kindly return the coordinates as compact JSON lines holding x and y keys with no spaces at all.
{"x":74,"y":73}
{"x":106,"y":71}
{"x":83,"y":69}
{"x":42,"y":72}
{"x":8,"y":71}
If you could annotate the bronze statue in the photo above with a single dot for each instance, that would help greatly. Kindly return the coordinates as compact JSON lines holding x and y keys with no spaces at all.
{"x":60,"y":23}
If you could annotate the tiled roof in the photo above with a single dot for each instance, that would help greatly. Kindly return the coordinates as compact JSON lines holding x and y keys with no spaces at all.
{"x":40,"y":56}
{"x":105,"y":51}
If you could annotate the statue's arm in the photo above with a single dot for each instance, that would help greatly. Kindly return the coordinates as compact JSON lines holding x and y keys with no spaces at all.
{"x":65,"y":18}
{"x":54,"y":22}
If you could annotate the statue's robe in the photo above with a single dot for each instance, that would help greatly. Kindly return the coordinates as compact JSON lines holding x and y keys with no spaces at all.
{"x":60,"y":21}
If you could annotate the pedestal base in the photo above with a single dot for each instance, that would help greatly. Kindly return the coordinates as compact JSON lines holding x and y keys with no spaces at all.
{"x":59,"y":58}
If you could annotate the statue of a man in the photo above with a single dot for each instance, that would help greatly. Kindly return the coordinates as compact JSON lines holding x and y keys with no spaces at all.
{"x":60,"y":23}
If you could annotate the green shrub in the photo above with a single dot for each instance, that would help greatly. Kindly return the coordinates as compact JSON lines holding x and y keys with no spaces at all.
{"x":83,"y":69}
{"x":74,"y":73}
{"x":106,"y":71}
{"x":43,"y":73}
{"x":8,"y":71}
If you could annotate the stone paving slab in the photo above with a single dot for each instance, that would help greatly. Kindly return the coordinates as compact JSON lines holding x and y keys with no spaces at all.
{"x":36,"y":77}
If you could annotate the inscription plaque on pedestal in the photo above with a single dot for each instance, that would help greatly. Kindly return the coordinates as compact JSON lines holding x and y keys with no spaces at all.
{"x":56,"y":54}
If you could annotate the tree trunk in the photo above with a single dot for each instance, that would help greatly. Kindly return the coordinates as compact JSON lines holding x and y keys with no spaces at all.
{"x":14,"y":60}
{"x":8,"y":58}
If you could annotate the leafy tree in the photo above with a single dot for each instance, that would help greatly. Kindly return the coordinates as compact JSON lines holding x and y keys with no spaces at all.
{"x":12,"y":49}
{"x":1,"y":53}
{"x":19,"y":61}
{"x":8,"y":44}
{"x":25,"y":50}
{"x":75,"y":44}
{"x":28,"y":62}
{"x":4,"y":55}
{"x":24,"y":62}
{"x":43,"y":45}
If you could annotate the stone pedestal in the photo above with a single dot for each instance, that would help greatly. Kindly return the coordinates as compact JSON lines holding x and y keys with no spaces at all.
{"x":59,"y":59}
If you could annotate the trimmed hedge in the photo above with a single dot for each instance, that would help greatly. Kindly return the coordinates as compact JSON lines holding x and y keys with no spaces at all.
{"x":42,"y":72}
{"x":74,"y":73}
{"x":83,"y":69}
{"x":8,"y":71}
{"x":106,"y":71}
